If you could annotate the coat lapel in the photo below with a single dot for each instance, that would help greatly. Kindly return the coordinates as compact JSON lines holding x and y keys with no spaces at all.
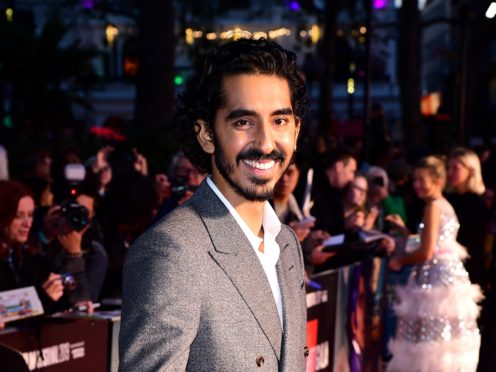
{"x":234,"y":254}
{"x":291,"y":285}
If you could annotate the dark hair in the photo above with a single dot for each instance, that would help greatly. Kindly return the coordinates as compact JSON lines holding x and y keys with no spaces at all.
{"x":339,"y":154}
{"x":37,"y":185}
{"x":204,"y":96}
{"x":11,"y":193}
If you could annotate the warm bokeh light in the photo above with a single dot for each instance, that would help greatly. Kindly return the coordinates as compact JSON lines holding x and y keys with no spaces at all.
{"x":189,"y":36}
{"x":111,"y":33}
{"x":279,"y":32}
{"x":430,"y":103}
{"x":351,"y":86}
{"x":260,"y":34}
{"x":315,"y":33}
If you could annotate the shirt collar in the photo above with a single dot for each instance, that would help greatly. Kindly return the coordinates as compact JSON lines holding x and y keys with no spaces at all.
{"x":270,"y":222}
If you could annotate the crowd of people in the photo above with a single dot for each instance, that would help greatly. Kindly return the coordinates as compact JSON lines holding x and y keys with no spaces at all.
{"x":70,"y":238}
{"x":65,"y":228}
{"x":67,"y":223}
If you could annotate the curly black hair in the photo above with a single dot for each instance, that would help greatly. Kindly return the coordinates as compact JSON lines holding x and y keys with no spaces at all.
{"x":203,"y":95}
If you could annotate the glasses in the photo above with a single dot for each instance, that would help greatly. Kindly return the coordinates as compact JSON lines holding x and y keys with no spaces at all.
{"x":361,"y":189}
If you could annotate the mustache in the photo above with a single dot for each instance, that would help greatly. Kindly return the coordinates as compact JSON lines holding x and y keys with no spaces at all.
{"x":257,"y":155}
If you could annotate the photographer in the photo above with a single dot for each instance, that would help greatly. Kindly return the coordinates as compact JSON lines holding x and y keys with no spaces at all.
{"x":67,"y":233}
{"x":185,"y":180}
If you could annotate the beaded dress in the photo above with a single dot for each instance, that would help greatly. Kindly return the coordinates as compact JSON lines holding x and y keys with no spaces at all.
{"x":437,"y":309}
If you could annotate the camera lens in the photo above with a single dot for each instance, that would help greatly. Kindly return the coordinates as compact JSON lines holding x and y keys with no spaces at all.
{"x":76,"y":215}
{"x":68,"y":281}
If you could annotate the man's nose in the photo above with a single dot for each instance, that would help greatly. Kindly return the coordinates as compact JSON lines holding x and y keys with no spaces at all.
{"x":265,"y":140}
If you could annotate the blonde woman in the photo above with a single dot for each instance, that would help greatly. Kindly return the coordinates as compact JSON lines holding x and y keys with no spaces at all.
{"x":437,"y":309}
{"x":464,"y":190}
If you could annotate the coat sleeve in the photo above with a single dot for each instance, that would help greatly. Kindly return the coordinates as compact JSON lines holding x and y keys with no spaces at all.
{"x":160,"y":304}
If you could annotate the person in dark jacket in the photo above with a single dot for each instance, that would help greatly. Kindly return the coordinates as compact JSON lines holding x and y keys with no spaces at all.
{"x":21,"y":265}
{"x":465,"y":191}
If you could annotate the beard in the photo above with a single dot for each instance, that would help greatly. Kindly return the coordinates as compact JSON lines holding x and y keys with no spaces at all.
{"x":259,"y":189}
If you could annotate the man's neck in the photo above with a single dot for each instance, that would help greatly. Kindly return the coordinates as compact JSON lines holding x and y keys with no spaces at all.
{"x":250,"y":211}
{"x":331,"y":177}
{"x":252,"y":214}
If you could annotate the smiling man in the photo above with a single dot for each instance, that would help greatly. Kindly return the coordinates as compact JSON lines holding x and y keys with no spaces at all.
{"x":218,"y":284}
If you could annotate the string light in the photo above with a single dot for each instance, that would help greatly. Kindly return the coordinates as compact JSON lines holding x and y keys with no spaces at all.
{"x":238,"y":33}
{"x":314,"y":33}
{"x":351,"y":86}
{"x":189,"y":36}
{"x":260,"y":34}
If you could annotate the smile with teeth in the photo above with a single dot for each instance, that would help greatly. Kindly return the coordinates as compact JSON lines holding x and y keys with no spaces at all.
{"x":262,"y":166}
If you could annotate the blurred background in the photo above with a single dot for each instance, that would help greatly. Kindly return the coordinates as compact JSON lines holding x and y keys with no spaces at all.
{"x":76,"y":73}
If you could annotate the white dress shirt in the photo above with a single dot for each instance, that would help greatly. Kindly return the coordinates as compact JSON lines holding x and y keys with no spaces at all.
{"x":268,"y":259}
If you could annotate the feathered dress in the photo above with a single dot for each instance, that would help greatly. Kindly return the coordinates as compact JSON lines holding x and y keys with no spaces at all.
{"x":437,"y":310}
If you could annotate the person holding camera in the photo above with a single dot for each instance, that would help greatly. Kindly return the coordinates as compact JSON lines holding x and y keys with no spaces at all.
{"x":185,"y":179}
{"x":68,"y":232}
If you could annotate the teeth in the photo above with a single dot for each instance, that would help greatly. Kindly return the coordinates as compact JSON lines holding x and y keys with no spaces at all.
{"x":262,"y":166}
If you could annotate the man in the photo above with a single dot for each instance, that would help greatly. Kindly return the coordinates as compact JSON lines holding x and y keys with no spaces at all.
{"x":339,"y":169}
{"x":218,"y":284}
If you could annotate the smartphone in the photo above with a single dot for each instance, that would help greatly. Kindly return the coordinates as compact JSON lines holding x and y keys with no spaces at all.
{"x":307,"y":221}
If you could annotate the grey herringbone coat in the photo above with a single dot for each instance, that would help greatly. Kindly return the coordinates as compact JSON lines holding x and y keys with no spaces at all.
{"x":196,"y":297}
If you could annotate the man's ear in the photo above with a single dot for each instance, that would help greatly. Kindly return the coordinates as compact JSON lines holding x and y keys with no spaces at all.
{"x":204,"y":136}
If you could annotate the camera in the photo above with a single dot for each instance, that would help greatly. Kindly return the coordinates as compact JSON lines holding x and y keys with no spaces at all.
{"x":75,"y":215}
{"x":68,"y":281}
{"x":179,"y":187}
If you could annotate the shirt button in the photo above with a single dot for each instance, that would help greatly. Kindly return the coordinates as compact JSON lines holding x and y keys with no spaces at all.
{"x":306,"y":351}
{"x":260,"y":361}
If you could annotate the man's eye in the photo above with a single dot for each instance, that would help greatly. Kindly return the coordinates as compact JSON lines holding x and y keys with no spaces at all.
{"x":281,"y":121}
{"x":241,"y":123}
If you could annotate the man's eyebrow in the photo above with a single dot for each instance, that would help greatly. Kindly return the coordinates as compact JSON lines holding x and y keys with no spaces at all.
{"x":236,"y":114}
{"x":283,"y":111}
{"x":239,"y":113}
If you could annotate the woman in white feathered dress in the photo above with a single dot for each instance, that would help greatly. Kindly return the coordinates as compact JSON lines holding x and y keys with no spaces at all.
{"x":437,"y":310}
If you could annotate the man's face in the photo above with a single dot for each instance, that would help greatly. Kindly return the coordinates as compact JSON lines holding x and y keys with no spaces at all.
{"x":254,"y":136}
{"x":187,"y":171}
{"x":345,"y":173}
